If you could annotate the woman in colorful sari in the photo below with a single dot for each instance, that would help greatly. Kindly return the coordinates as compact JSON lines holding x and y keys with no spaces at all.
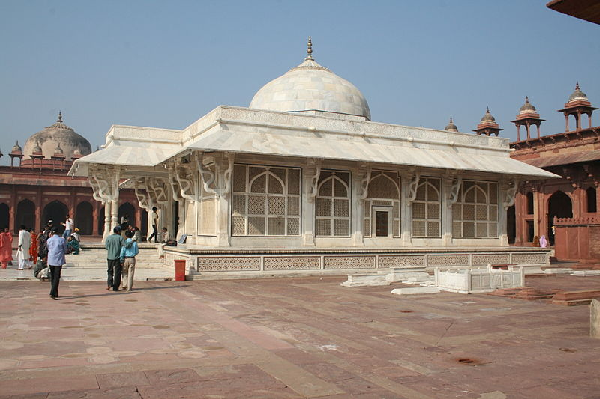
{"x":6,"y":240}
{"x":33,"y":250}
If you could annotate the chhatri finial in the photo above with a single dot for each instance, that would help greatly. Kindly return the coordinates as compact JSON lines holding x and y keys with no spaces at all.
{"x":526,"y":99}
{"x":309,"y":50}
{"x":577,"y":86}
{"x":487,"y":109}
{"x":59,"y":117}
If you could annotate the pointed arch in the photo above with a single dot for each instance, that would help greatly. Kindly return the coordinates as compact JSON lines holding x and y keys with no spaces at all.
{"x":25,"y":214}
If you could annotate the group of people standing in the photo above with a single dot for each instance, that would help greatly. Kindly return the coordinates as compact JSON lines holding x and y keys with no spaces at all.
{"x":27,"y":248}
{"x":121,"y":253}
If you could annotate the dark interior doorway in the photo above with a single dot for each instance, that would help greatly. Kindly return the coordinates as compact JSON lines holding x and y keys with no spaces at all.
{"x":57,"y":212}
{"x":511,"y":224}
{"x":381,"y":223}
{"x":559,"y":205}
{"x":101,"y":217}
{"x":84,"y":216}
{"x":4,"y":216}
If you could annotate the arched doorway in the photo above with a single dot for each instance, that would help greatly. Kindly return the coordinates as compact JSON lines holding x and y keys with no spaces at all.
{"x":84,"y":215}
{"x":57,"y":212}
{"x":25,"y":215}
{"x":144,"y":226}
{"x":511,"y":224}
{"x":127,"y":210}
{"x":4,"y":216}
{"x":101,"y":221}
{"x":559,"y":205}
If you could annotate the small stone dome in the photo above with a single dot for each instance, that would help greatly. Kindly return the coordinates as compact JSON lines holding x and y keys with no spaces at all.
{"x":488,"y":117}
{"x":451,"y":127}
{"x":527,"y":107}
{"x":37,"y":150}
{"x":311,"y":88}
{"x":577,"y":95}
{"x":56,"y":137}
{"x":16,"y":148}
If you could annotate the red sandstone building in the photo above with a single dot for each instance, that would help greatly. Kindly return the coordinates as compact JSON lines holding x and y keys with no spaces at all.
{"x":35,"y":187}
{"x":564,"y":210}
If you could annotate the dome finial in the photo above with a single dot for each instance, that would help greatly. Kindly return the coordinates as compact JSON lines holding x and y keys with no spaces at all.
{"x":309,"y":50}
{"x":577,"y":86}
{"x":59,"y":117}
{"x":527,"y":99}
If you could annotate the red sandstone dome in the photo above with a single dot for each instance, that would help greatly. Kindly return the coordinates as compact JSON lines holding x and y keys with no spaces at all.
{"x":56,"y":136}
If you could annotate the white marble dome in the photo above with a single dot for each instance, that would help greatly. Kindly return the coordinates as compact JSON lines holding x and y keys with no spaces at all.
{"x":57,"y":137}
{"x":311,"y":88}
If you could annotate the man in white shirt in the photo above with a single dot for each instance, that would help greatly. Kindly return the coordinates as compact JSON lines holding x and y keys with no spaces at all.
{"x":68,"y":227}
{"x":23,"y":249}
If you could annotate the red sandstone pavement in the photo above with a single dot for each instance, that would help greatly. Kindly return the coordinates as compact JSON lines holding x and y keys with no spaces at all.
{"x":291,"y":338}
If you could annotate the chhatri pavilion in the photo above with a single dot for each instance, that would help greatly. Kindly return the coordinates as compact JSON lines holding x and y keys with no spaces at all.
{"x":302,"y":179}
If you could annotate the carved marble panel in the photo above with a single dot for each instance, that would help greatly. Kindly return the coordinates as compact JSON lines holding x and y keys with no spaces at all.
{"x":448,"y":260}
{"x":529,"y":258}
{"x":492,"y":259}
{"x":349,"y":262}
{"x":218,"y":264}
{"x":292,"y":263}
{"x":389,"y":261}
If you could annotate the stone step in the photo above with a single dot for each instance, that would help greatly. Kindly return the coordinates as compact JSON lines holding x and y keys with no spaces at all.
{"x":571,"y":298}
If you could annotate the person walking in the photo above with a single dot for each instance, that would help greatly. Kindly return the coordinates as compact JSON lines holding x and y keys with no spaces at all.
{"x":23,"y":248}
{"x":113,"y":245}
{"x":154,"y":218}
{"x":56,"y":259}
{"x":128,"y":253}
{"x":6,"y":240}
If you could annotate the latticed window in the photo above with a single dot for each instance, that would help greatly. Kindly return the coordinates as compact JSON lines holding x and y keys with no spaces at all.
{"x":333,"y":204}
{"x":383,"y":193}
{"x":266,"y":201}
{"x":426,"y":209}
{"x":475,"y":214}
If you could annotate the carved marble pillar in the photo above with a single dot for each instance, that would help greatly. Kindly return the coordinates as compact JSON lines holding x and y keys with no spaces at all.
{"x":450,"y":192}
{"x":410,"y":183}
{"x":360,"y":187}
{"x":107,"y":213}
{"x":310,"y":177}
{"x":224,"y":174}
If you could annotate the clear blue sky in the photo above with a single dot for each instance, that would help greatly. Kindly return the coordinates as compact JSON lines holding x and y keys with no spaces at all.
{"x":167,"y":63}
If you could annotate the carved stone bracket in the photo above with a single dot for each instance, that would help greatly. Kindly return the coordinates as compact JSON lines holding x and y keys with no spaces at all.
{"x":314,"y":181}
{"x":186,"y":183}
{"x":227,"y":176}
{"x":510,"y":193}
{"x":105,"y":184}
{"x":364,"y":184}
{"x":454,"y":191}
{"x":143,"y":198}
{"x":157,"y":189}
{"x":207,"y":166}
{"x":412,"y":188}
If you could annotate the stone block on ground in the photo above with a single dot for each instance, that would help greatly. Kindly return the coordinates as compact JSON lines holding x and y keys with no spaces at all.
{"x":361,"y":280}
{"x":571,"y":298}
{"x":595,"y":319}
{"x":415,"y":290}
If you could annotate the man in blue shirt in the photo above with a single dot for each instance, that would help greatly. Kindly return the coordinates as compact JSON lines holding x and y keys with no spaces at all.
{"x":56,"y":259}
{"x":128,"y":254}
{"x":113,"y":245}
